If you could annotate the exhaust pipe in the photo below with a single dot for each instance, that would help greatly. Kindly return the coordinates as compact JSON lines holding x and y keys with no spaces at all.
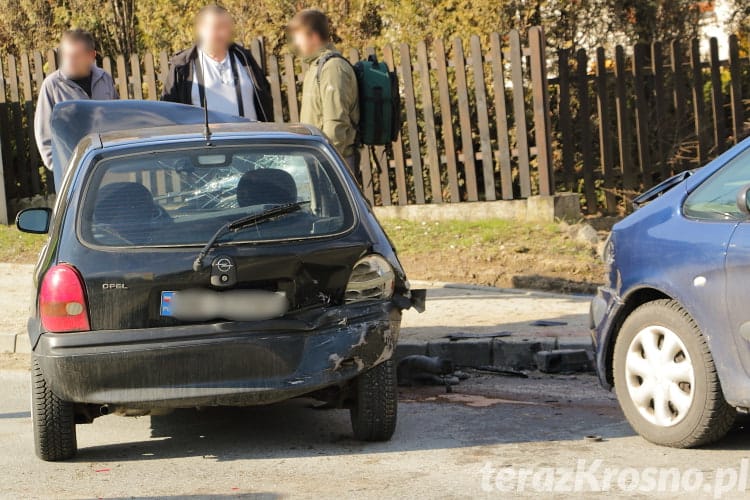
{"x":104,"y":410}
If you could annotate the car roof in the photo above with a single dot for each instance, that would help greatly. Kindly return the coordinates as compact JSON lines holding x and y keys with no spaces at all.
{"x":134,"y":120}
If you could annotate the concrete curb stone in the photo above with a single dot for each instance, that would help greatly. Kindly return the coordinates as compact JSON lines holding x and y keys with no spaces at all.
{"x":410,"y":348}
{"x":22,"y":343}
{"x":7,"y":342}
{"x":505,"y":353}
{"x":466,"y":352}
{"x":518,"y":354}
{"x":564,"y":360}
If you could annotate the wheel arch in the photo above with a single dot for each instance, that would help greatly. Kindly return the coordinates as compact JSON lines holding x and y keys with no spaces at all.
{"x":630,"y":303}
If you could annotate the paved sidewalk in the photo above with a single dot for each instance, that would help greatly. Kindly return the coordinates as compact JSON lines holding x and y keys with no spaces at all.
{"x":500,"y":327}
{"x":15,"y":298}
{"x":455,"y":308}
{"x":481,"y":326}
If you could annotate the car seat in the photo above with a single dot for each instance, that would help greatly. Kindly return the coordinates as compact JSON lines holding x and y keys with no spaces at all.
{"x":128,"y":210}
{"x":267,"y":186}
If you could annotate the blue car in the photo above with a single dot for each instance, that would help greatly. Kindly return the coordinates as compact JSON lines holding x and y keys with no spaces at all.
{"x":672,"y":322}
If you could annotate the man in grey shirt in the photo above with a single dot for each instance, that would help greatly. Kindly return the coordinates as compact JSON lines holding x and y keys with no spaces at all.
{"x":78,"y":78}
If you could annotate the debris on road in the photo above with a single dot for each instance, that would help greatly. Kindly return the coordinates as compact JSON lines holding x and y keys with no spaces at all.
{"x":502,"y":371}
{"x":479,"y":401}
{"x":426,"y":370}
{"x":564,"y":360}
{"x":548,"y":322}
{"x":453,"y":337}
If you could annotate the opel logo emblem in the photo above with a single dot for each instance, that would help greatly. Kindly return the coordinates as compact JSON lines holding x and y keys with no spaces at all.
{"x":224,"y":264}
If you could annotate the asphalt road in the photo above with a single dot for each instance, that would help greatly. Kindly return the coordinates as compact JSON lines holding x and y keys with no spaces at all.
{"x":493,"y":437}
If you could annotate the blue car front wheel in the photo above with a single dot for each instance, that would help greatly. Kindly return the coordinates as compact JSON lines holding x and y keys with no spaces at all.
{"x":665,"y":378}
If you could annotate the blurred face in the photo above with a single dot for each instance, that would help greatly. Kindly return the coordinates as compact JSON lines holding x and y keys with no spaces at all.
{"x":306,"y":42}
{"x":76,"y":59}
{"x":215,"y":32}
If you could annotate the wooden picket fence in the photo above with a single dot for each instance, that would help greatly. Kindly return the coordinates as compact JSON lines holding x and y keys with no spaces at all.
{"x":500,"y":120}
{"x":458,"y":143}
{"x":622,"y":123}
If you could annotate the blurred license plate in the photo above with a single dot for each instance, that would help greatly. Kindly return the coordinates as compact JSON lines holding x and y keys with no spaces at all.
{"x":234,"y":305}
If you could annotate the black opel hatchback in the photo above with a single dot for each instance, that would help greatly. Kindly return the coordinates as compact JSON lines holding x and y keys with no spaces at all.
{"x":186,"y":265}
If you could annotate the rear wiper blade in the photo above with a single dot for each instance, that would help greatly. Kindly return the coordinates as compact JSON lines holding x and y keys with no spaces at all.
{"x":244,"y":222}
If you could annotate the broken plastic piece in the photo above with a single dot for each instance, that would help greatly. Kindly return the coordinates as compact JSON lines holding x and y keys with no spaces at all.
{"x":422,"y":369}
{"x":547,"y":322}
{"x":418,"y":299}
{"x":464,"y":335}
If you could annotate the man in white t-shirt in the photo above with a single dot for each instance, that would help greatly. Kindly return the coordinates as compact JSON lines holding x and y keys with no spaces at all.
{"x":219,"y":73}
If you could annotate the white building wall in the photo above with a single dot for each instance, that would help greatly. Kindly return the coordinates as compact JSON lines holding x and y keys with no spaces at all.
{"x":717,"y":24}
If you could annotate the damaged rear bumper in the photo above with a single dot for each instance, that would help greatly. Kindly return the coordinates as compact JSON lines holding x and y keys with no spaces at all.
{"x":219,"y":364}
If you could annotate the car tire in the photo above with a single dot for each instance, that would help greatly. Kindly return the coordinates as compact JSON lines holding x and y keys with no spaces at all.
{"x":375,"y":403}
{"x":661,"y":354}
{"x":53,"y":420}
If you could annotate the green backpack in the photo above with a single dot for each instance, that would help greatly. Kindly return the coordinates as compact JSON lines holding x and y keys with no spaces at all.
{"x":379,"y":100}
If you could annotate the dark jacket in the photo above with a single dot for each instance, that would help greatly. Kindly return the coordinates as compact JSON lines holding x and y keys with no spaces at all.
{"x":179,"y":84}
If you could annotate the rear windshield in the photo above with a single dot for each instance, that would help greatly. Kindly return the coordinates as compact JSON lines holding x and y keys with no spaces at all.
{"x":182,"y":197}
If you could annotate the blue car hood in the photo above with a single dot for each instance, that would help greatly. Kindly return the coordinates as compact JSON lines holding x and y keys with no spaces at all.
{"x":74,"y":120}
{"x":668,"y":195}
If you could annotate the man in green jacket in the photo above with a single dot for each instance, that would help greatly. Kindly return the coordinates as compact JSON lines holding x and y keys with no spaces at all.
{"x":330,"y":94}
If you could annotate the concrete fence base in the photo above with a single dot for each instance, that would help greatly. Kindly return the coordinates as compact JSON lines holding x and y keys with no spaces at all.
{"x":563,"y":206}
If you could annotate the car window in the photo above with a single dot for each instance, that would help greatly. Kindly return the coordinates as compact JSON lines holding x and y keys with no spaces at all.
{"x":182,"y":197}
{"x":715,"y":199}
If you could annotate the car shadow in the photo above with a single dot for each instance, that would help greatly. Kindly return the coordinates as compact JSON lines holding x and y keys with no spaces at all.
{"x":427,"y":421}
{"x":737,"y":439}
{"x":296,"y":428}
{"x":251,"y":496}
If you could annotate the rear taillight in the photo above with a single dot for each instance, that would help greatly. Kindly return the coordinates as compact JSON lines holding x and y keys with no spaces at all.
{"x":62,"y":301}
{"x":372,"y":279}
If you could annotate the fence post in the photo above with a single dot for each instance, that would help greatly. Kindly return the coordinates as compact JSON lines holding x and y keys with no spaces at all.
{"x":397,"y":146}
{"x":464,"y":117}
{"x":501,"y":117}
{"x":738,"y":116}
{"x":412,"y":123}
{"x":584,"y":129}
{"x":623,"y":123}
{"x":565,"y":120}
{"x":717,"y":98}
{"x":605,"y":133}
{"x":542,"y":122}
{"x":519,"y":112}
{"x":3,"y":146}
{"x":699,"y":104}
{"x":642,"y":134}
{"x":428,"y":115}
{"x":657,"y":67}
{"x":258,"y":50}
{"x":3,"y":199}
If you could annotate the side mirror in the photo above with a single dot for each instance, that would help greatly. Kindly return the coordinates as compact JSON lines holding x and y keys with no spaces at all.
{"x":34,"y":220}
